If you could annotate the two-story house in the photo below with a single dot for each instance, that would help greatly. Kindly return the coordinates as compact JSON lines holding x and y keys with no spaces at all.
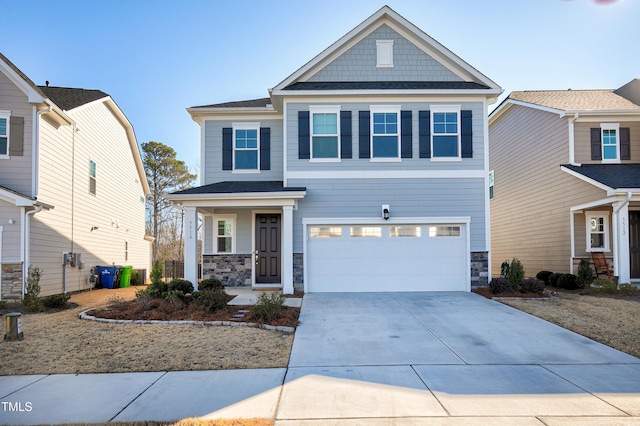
{"x":72,"y":185}
{"x":566,"y":168}
{"x":364,"y":170}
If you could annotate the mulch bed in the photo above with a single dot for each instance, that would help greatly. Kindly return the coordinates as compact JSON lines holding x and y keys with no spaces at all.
{"x":484,"y":291}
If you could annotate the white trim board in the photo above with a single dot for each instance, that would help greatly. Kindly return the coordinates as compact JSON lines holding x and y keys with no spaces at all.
{"x":387,"y":174}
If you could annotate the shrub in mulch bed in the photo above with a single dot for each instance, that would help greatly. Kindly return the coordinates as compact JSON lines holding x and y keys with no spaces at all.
{"x":484,"y":291}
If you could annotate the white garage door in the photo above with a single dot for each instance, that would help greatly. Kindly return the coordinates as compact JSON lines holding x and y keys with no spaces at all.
{"x":375,"y":258}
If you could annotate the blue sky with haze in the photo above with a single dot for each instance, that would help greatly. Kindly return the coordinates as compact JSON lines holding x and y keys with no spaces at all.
{"x":156,"y":58}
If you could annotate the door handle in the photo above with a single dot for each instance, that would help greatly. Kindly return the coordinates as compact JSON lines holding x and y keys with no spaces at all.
{"x":257,"y":257}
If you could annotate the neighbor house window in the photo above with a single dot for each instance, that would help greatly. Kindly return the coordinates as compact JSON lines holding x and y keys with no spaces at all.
{"x":325,"y":130}
{"x":491,"y":182}
{"x":246,"y":143}
{"x":385,"y":132}
{"x":92,"y":177}
{"x":224,"y":231}
{"x":4,"y":132}
{"x":598,"y":231}
{"x":445,"y":132}
{"x":610,"y":142}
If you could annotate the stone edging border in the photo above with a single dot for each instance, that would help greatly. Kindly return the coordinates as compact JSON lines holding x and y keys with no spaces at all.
{"x":526,"y":298}
{"x":285,"y":329}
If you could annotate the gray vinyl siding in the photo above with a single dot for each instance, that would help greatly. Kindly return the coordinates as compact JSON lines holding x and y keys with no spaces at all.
{"x":582,"y":134}
{"x":531,"y":207}
{"x":10,"y":232}
{"x":244,"y":232}
{"x":359,"y":62}
{"x":414,"y":163}
{"x":213,"y":152}
{"x":363,"y":198}
{"x":16,"y":172}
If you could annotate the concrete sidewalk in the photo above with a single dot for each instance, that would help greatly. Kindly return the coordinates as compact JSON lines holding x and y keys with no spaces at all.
{"x":371,"y":359}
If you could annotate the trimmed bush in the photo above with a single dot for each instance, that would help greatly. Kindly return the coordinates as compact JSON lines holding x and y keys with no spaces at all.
{"x":500,"y":285}
{"x":32,"y":290}
{"x":553,"y":279}
{"x":156,"y":289}
{"x":603,"y":285}
{"x":544,"y":276}
{"x":532,"y":285}
{"x":210,"y":284}
{"x":211,"y":300}
{"x":156,"y":272}
{"x":585,"y":273}
{"x":568,"y":281}
{"x":516,"y":273}
{"x":269,"y":306}
{"x":181,"y":285}
{"x":56,"y":301}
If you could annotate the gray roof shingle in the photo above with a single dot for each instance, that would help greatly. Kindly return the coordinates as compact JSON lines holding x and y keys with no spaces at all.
{"x":233,"y":187}
{"x":68,"y":98}
{"x":251,"y":103}
{"x":384,"y":85}
{"x":614,"y":176}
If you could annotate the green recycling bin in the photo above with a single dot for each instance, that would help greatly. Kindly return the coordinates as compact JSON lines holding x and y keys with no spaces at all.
{"x":125,"y":276}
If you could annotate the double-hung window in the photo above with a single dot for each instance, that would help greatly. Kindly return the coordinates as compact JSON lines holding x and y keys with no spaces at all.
{"x":224,"y":234}
{"x":325,"y":131}
{"x":598,"y":231}
{"x":93,"y":175}
{"x":610,"y":142}
{"x":445,"y":132}
{"x":4,"y":133}
{"x":246,"y":145}
{"x":385,"y":133}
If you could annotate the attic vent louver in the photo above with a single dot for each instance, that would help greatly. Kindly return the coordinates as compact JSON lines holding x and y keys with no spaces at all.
{"x":384,"y":50}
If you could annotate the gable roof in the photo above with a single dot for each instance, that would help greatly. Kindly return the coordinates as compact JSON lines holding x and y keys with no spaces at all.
{"x":68,"y":98}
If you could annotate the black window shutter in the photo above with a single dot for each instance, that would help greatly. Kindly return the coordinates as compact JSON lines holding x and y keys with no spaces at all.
{"x":596,"y":148}
{"x":625,"y":143}
{"x":406,"y":149}
{"x":16,"y":133}
{"x":304,"y":139}
{"x":265,"y":148}
{"x":364,"y":130}
{"x":345,"y":134}
{"x":227,"y":148}
{"x":466,"y":135}
{"x":424,"y":133}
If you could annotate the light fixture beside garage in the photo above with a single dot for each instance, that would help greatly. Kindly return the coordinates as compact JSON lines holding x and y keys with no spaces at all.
{"x":385,"y":211}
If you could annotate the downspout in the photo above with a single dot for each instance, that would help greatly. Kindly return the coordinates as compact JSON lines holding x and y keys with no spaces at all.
{"x":35,"y":160}
{"x":616,"y":242}
{"x":572,"y":139}
{"x":27,"y":244}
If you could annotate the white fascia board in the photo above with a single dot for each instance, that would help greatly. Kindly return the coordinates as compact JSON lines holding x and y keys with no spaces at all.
{"x":613,"y":115}
{"x":387,"y":174}
{"x":386,"y":98}
{"x":236,"y":202}
{"x":586,"y":179}
{"x":33,"y":95}
{"x":508,"y":103}
{"x":15,"y":199}
{"x":57,"y":115}
{"x":201,"y":114}
{"x":624,"y":192}
{"x":592,"y":204}
{"x":251,"y":196}
{"x":465,"y":220}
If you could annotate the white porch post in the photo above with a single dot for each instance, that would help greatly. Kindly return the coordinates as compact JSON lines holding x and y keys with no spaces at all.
{"x":287,"y":250}
{"x":191,"y":245}
{"x":621,"y":252}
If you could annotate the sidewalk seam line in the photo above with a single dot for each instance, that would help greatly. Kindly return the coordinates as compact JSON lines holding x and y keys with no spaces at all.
{"x":138,"y":396}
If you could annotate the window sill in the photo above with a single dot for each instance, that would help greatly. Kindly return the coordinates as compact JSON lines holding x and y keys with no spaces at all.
{"x":598,"y":250}
{"x":446,"y":159}
{"x":245,"y":171}
{"x":5,"y":157}
{"x":325,"y":160}
{"x":611,"y":161}
{"x":385,"y":160}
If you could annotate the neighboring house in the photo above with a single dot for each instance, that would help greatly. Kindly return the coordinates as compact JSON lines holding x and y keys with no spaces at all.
{"x":71,"y":181}
{"x":364,"y":170}
{"x":567,"y":179}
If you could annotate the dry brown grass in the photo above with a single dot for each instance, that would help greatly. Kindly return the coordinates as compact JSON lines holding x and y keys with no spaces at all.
{"x":62,"y":343}
{"x":613,"y":321}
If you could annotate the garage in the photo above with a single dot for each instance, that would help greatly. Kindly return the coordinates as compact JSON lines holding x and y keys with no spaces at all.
{"x":374,"y":257}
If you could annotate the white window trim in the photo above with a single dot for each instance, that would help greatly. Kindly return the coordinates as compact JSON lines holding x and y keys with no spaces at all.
{"x":228,"y":217}
{"x":610,"y":126}
{"x":324,"y":109}
{"x":384,"y":109}
{"x":95,"y":178}
{"x":492,"y":183}
{"x":384,"y":53}
{"x":597,"y":214}
{"x":446,"y":108}
{"x":6,"y":115}
{"x":245,"y":126}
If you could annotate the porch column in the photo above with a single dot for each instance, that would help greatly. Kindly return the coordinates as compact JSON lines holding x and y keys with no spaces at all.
{"x":191,"y":245}
{"x":621,"y":252}
{"x":287,"y":250}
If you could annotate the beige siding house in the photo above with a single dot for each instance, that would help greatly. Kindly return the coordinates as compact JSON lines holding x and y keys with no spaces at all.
{"x":71,"y":181}
{"x":566,"y":179}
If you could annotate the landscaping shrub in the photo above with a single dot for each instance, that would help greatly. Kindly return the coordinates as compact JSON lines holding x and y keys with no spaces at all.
{"x":156,"y":289}
{"x":516,"y":273}
{"x":144,"y":301}
{"x":568,"y":281}
{"x":628,"y":289}
{"x":210,"y":284}
{"x":504,"y":269}
{"x":211,"y":300}
{"x":603,"y":285}
{"x":532,"y":285}
{"x":171,"y":304}
{"x":585,"y":273}
{"x":56,"y":301}
{"x":178,"y":284}
{"x":544,"y":276}
{"x":32,"y":290}
{"x":500,"y":285}
{"x":269,"y":306}
{"x":156,"y":272}
{"x":553,"y":279}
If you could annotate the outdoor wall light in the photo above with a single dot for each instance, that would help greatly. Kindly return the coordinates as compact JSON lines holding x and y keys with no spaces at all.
{"x":94,"y":228}
{"x":385,"y":211}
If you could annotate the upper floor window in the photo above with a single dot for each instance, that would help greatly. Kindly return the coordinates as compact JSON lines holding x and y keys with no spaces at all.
{"x":445,"y":139}
{"x":385,"y":132}
{"x":4,"y":132}
{"x":92,"y":177}
{"x":610,"y":141}
{"x":325,"y":131}
{"x":246,"y":145}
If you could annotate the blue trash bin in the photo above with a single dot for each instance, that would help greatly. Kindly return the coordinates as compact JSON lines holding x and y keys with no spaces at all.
{"x":107,"y":276}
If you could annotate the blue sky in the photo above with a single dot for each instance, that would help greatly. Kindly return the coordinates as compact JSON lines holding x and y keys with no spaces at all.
{"x":156,"y":58}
